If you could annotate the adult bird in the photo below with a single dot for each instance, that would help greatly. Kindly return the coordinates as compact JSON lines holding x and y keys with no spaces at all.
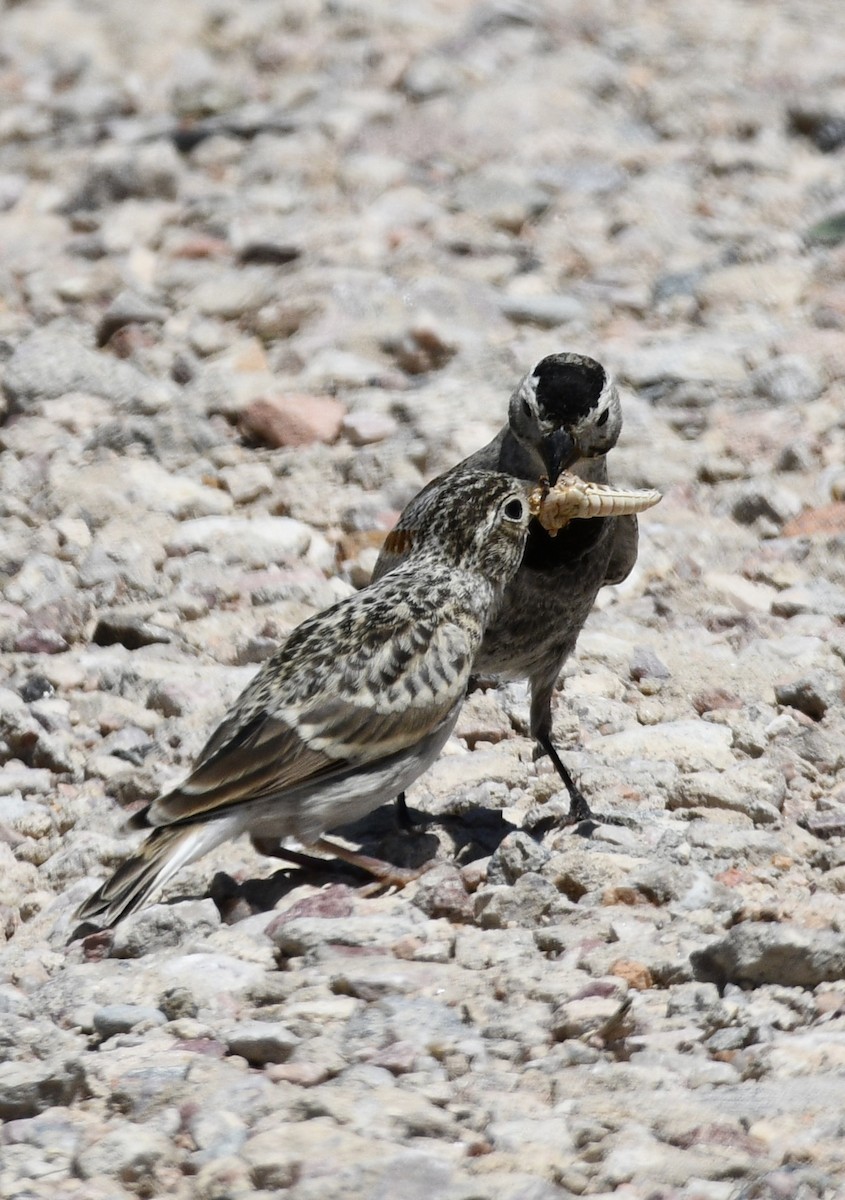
{"x":564,"y":414}
{"x":354,"y":705}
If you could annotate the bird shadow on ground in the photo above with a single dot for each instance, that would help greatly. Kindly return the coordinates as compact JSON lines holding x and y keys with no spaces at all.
{"x":450,"y":838}
{"x":460,"y":839}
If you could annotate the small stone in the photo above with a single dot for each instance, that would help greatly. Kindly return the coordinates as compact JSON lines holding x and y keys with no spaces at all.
{"x":163,"y":925}
{"x":748,"y":789}
{"x":714,"y":699}
{"x":253,"y":542}
{"x":260,"y":1042}
{"x":128,"y":308}
{"x":121,"y":1018}
{"x":740,"y":593}
{"x":789,"y":380}
{"x":29,"y":1088}
{"x":274,"y":1161}
{"x":545,"y":311}
{"x":247,"y":481}
{"x":824,"y":598}
{"x":646,"y":663}
{"x":302,"y":1074}
{"x":824,"y":520}
{"x":132,"y":1152}
{"x":688,"y":743}
{"x":482,"y":719}
{"x":422,"y":348}
{"x":756,"y":953}
{"x":365,"y":428}
{"x":810,"y":694}
{"x":515,"y":855}
{"x":531,"y":900}
{"x":306,"y":935}
{"x":442,"y":892}
{"x":293,"y":420}
{"x":586,"y":1015}
{"x":771,"y":502}
{"x":115,"y":174}
{"x":129,"y":629}
{"x":177,"y":1003}
{"x":48,"y":365}
{"x":332,"y":370}
{"x":235,"y":294}
{"x":635,"y":974}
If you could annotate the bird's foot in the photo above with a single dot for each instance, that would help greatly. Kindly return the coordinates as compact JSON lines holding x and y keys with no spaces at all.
{"x":580,"y":814}
{"x":385,"y":874}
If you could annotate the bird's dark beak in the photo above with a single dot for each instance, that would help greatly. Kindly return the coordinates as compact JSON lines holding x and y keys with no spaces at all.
{"x":559,"y":451}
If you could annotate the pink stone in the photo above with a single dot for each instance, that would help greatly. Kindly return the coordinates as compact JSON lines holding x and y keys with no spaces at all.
{"x":293,"y":420}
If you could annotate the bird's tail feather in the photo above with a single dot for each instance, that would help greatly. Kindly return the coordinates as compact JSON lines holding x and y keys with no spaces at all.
{"x":134,"y":882}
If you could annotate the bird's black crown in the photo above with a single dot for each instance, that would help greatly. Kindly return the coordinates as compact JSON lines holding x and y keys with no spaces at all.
{"x":568,"y":386}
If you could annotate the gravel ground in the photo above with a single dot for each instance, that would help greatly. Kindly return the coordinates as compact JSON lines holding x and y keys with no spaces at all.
{"x":211,"y":210}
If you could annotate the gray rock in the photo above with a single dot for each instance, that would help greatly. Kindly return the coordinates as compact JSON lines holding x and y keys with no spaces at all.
{"x":817,"y":597}
{"x":120,"y":1018}
{"x":442,"y":892}
{"x":132,"y":1153}
{"x":362,"y":428}
{"x":692,"y":744}
{"x":217,"y":1133}
{"x":306,"y":935}
{"x":147,"y":172}
{"x":50,"y":364}
{"x":811,"y":694}
{"x":28,"y":1088}
{"x":515,"y":855}
{"x":770,"y":501}
{"x":545,"y":311}
{"x":258,"y":542}
{"x":645,"y":663}
{"x":163,"y":925}
{"x":685,"y":888}
{"x":756,"y":953}
{"x":260,"y":1042}
{"x":128,"y":308}
{"x":789,"y":380}
{"x":531,"y":900}
{"x":177,"y":1002}
{"x":746,"y":788}
{"x":214,"y":980}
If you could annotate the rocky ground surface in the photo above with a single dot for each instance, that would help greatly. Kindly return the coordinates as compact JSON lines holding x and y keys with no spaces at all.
{"x":266,"y":268}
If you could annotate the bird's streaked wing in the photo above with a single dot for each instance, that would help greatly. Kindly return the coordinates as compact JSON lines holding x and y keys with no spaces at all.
{"x":342,"y":725}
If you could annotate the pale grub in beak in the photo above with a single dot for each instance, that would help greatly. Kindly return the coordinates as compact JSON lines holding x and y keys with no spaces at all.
{"x":572,"y":498}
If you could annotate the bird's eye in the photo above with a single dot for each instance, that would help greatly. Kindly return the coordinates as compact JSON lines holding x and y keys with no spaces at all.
{"x":514,"y":510}
{"x":603,"y":418}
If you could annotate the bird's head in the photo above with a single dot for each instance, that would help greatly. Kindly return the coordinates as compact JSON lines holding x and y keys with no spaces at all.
{"x":566,"y":408}
{"x":479,"y":522}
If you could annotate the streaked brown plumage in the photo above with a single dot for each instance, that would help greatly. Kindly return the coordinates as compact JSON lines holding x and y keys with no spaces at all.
{"x":353,"y":706}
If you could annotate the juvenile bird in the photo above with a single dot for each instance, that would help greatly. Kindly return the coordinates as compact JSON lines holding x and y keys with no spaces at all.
{"x":353,"y":706}
{"x":565,"y":411}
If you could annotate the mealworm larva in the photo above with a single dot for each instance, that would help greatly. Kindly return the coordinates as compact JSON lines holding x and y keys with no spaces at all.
{"x":572,"y":498}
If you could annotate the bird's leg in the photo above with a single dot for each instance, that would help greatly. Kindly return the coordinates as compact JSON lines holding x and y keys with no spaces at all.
{"x":403,"y":816}
{"x":541,"y":731}
{"x":579,"y":809}
{"x":386,"y":873}
{"x":272,"y":849}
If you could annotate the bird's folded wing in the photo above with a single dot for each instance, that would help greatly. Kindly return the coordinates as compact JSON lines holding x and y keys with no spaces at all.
{"x":396,"y":546}
{"x":336,"y":730}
